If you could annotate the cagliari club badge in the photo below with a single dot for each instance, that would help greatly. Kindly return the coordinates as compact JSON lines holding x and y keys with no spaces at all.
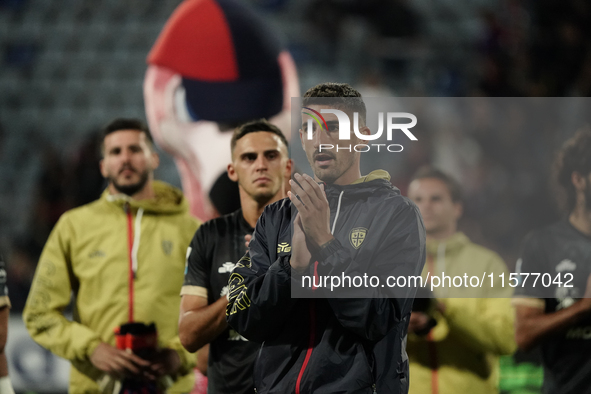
{"x":167,"y":247}
{"x":357,"y":236}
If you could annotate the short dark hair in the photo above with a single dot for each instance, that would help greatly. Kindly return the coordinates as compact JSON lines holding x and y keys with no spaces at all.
{"x":575,"y":156}
{"x":254,"y":127}
{"x":455,"y":190}
{"x":345,"y":97}
{"x":125,"y":124}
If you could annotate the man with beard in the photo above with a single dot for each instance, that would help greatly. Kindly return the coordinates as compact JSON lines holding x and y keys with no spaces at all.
{"x":122,"y":257}
{"x":456,"y":338}
{"x":338,"y":222}
{"x":260,"y":164}
{"x":560,"y":325}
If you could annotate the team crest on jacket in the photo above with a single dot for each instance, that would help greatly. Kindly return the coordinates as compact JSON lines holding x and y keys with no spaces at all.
{"x":167,"y":247}
{"x":357,"y":236}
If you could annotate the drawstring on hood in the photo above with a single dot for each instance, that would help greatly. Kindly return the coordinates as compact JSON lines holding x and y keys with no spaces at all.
{"x":440,"y":262}
{"x":357,"y":189}
{"x":136,"y":240}
{"x":336,"y":216}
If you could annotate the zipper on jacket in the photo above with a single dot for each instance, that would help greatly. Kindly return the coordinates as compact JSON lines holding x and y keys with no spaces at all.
{"x":431,"y":345}
{"x":373,"y":387}
{"x":434,"y":363}
{"x":311,"y":340}
{"x":129,"y":215}
{"x":312,"y":335}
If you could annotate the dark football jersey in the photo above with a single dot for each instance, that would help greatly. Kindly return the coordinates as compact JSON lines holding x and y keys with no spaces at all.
{"x":561,"y":249}
{"x":214,"y":251}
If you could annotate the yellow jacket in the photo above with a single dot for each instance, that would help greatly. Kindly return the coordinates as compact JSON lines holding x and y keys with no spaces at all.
{"x":460,"y":355}
{"x":87,"y":254}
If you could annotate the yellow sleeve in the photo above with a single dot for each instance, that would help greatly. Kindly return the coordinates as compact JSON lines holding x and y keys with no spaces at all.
{"x":484,"y":324}
{"x":50,"y":294}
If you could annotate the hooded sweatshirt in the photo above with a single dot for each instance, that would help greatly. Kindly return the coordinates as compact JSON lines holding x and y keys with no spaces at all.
{"x":331,"y":345}
{"x":88,"y":253}
{"x":461,"y":353}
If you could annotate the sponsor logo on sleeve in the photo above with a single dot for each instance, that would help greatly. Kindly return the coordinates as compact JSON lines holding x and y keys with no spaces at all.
{"x":227,"y":268}
{"x":283,"y":247}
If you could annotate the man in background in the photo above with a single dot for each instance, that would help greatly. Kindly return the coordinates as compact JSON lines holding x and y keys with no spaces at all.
{"x":260,"y":165}
{"x":455,"y":343}
{"x":123,"y":258}
{"x":558,"y":318}
{"x":5,"y":383}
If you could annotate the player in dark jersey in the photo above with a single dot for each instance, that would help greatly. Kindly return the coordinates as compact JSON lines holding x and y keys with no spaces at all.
{"x":260,"y":165}
{"x":561,"y":325}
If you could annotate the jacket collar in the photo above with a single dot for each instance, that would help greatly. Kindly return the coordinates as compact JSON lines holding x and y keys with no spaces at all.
{"x":451,"y":244}
{"x":367,"y":183}
{"x":375,"y":174}
{"x":167,"y":200}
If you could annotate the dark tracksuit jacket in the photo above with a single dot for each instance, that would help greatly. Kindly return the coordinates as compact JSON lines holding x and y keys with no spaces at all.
{"x":326,"y":344}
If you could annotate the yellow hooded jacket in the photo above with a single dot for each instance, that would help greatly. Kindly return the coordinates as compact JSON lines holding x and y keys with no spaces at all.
{"x":87,"y":253}
{"x":461,"y":353}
